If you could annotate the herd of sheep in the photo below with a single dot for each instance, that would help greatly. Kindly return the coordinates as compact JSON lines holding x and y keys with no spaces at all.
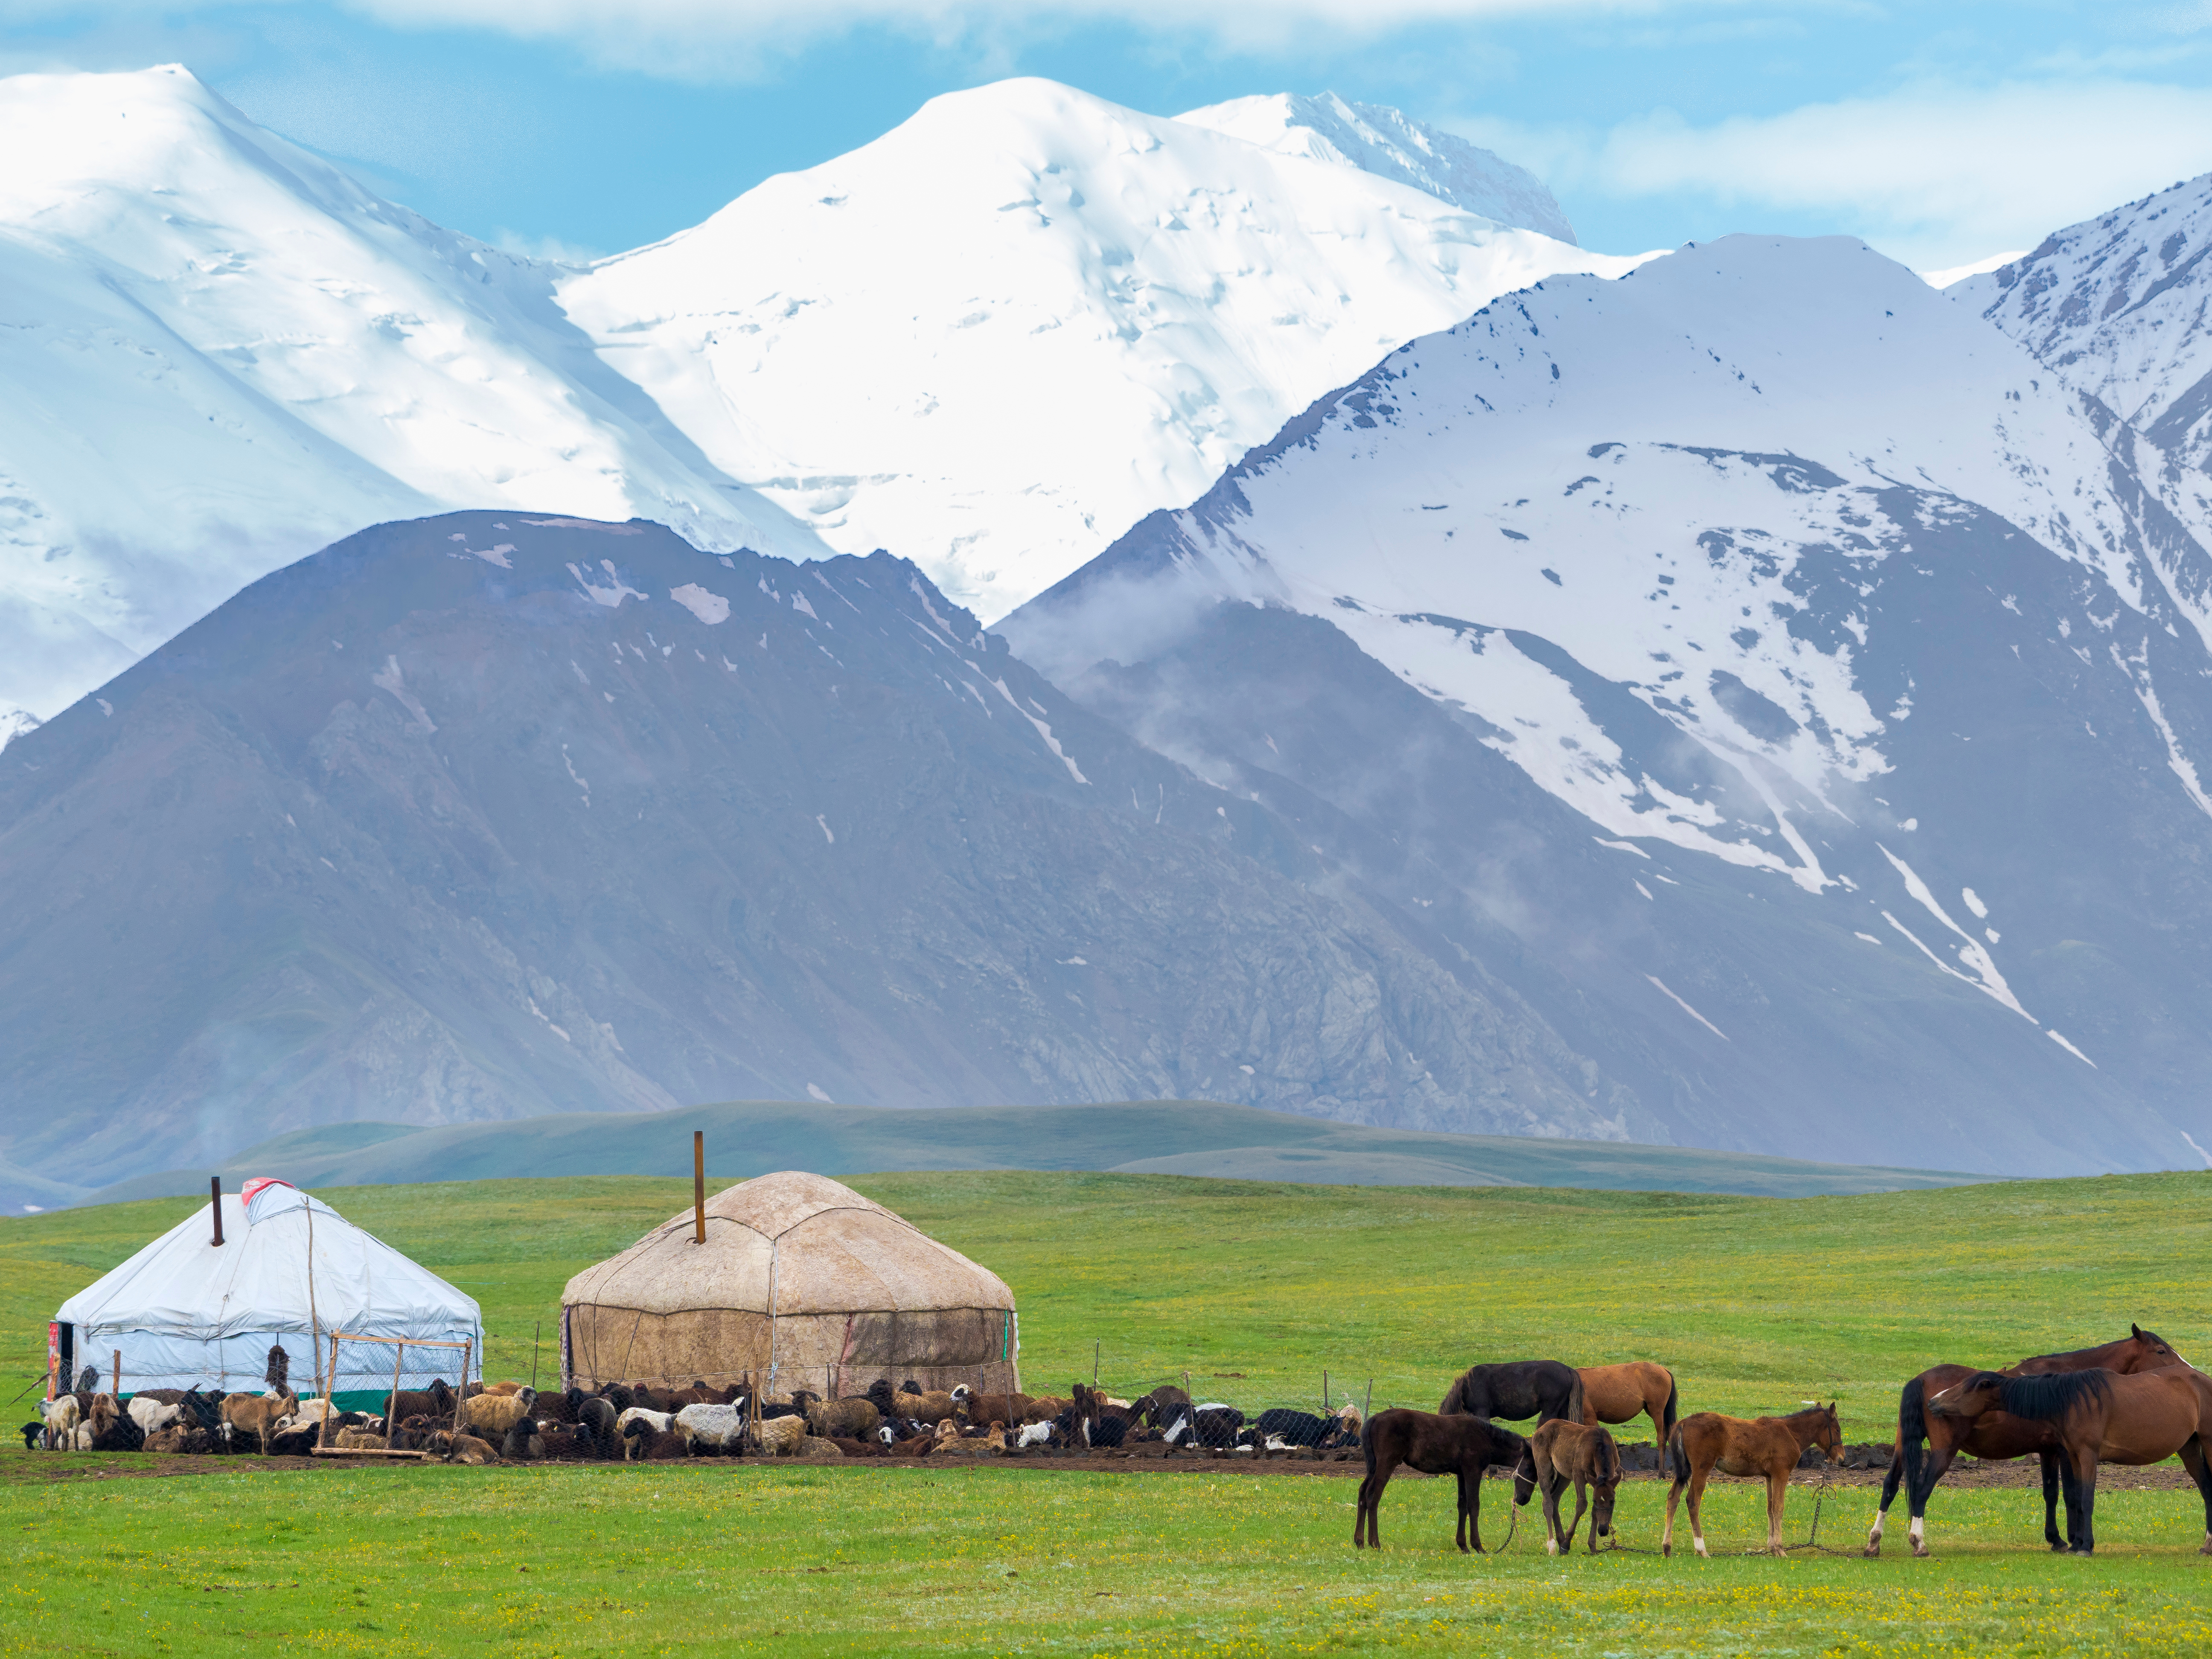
{"x":508,"y":1422}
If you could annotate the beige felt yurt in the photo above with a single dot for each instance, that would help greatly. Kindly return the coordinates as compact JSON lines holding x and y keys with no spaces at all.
{"x":802,"y":1283}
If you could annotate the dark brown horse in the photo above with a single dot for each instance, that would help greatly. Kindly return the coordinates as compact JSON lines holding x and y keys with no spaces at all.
{"x":2145,"y":1417}
{"x":1541,"y":1388}
{"x":1564,"y":1451}
{"x":1994,"y":1434}
{"x":1459,"y":1445}
{"x":1761,"y":1445}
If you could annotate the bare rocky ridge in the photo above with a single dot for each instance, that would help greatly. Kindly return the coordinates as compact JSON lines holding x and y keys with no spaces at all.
{"x":477,"y":816}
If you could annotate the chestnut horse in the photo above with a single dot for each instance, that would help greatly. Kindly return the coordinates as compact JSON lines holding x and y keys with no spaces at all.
{"x":2143,"y":1417}
{"x":1994,"y":1434}
{"x":1615,"y":1394}
{"x":1422,"y":1440}
{"x":1565,"y":1451}
{"x":1765,"y":1445}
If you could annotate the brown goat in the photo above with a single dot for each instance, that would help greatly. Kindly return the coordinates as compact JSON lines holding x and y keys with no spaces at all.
{"x":255,"y":1415}
{"x":855,"y":1418}
{"x":974,"y":1407}
{"x":492,"y":1414}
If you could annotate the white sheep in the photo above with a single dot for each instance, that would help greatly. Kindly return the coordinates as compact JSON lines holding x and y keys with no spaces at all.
{"x":658,"y":1422}
{"x":719,"y":1428}
{"x":151,"y":1414}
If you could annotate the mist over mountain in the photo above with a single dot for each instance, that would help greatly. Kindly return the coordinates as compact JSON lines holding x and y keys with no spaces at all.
{"x":484,"y":815}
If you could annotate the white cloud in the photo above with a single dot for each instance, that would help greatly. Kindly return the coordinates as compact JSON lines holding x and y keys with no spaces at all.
{"x":1933,"y":174}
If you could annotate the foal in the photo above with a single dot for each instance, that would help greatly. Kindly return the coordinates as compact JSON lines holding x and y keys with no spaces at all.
{"x":1565,"y":1451}
{"x":1765,"y":1445}
{"x":1423,"y":1440}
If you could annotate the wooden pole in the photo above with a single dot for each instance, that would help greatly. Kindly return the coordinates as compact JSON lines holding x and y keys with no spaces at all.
{"x":1324,"y":1391}
{"x":534,"y":1335}
{"x":392,"y":1406}
{"x":468,"y":1351}
{"x":1094,"y":1365}
{"x":1369,"y":1411}
{"x":699,"y":1183}
{"x":215,"y":1203}
{"x":115,"y":1378}
{"x":323,"y":1428}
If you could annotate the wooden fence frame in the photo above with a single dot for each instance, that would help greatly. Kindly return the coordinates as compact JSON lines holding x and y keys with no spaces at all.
{"x":323,"y":1449}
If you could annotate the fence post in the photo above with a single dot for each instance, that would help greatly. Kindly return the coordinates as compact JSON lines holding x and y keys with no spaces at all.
{"x":1368,"y":1411}
{"x":1094,"y":1363}
{"x":1324,"y":1391}
{"x":115,"y":1378}
{"x":392,"y":1406}
{"x":699,"y":1184}
{"x":534,"y":1335}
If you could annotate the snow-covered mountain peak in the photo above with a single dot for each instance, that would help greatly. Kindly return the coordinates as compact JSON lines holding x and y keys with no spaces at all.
{"x":1684,"y":481}
{"x":1070,"y":312}
{"x":1391,"y":144}
{"x":220,"y":352}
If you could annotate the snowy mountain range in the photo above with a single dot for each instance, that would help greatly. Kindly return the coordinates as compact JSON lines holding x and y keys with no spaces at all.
{"x":1855,"y":644}
{"x":990,"y":341}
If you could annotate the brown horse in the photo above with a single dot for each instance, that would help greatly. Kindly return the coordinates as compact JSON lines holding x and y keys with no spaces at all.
{"x":1616,"y":1394}
{"x":1994,"y":1434}
{"x":2145,"y":1417}
{"x":1564,"y":1451}
{"x":1458,"y":1445}
{"x":1765,"y":1445}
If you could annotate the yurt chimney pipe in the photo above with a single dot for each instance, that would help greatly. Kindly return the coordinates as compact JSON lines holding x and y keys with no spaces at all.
{"x":699,"y":1184}
{"x":214,"y":1207}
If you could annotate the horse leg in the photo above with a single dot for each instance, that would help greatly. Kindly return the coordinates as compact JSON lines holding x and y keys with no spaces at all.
{"x":1889,"y":1485}
{"x":2193,"y":1458}
{"x":1696,"y":1510}
{"x":1936,"y":1466}
{"x":1370,"y":1503}
{"x":1777,"y":1495}
{"x":1674,"y":1496}
{"x":2085,"y":1483}
{"x":1470,"y":1503}
{"x":1582,"y":1503}
{"x":2049,"y":1459}
{"x":1552,"y":1488}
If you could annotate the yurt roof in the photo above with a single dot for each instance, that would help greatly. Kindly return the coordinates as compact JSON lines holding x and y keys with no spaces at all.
{"x":789,"y":1243}
{"x":182,"y":1284}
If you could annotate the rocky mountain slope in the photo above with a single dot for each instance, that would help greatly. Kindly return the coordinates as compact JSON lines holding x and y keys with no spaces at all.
{"x":221,"y":353}
{"x":487,"y":815}
{"x":1774,"y":654}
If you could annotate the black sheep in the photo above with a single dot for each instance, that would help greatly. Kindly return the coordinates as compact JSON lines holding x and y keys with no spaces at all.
{"x":32,"y":1432}
{"x":1293,"y":1428}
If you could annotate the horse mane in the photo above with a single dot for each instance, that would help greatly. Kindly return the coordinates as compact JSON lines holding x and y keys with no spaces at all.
{"x":1455,"y":1400}
{"x":2040,"y":1398}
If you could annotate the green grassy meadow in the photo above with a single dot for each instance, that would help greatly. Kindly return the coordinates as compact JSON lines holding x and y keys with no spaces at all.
{"x":1757,"y":1303}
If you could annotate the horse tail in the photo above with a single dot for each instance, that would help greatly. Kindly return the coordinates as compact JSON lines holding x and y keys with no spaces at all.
{"x":1575,"y":1399}
{"x":1673,"y":1406}
{"x":1911,"y":1437}
{"x":1676,"y":1463}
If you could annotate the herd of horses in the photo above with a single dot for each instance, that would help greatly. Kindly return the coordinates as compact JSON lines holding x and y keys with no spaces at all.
{"x":2133,"y":1401}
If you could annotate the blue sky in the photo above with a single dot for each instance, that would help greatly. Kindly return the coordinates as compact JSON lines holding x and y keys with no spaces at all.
{"x":1941,"y":132}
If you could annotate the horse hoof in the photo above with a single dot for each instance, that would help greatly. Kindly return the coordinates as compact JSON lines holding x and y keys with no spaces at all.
{"x":2081,"y":1549}
{"x":1919,"y":1548}
{"x":1667,"y":1549}
{"x":1872,"y":1550}
{"x":1550,"y":1547}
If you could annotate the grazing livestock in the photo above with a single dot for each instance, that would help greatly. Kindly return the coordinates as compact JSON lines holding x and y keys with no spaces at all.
{"x":1770,"y":1446}
{"x":1617,"y":1394}
{"x":927,"y":1405}
{"x":852,"y":1418}
{"x":658,"y":1422}
{"x":461,"y":1449}
{"x":1432,"y":1443}
{"x":151,"y":1414}
{"x":858,"y":1448}
{"x":180,"y":1438}
{"x":60,"y":1416}
{"x":491,"y":1415}
{"x":1563,"y":1452}
{"x":112,"y":1428}
{"x":437,"y":1401}
{"x":1541,"y":1388}
{"x":1212,"y":1425}
{"x":595,"y":1417}
{"x":255,"y":1415}
{"x":34,"y":1435}
{"x":568,"y":1443}
{"x":1293,"y":1428}
{"x":777,"y":1437}
{"x":2101,"y":1416}
{"x":646,"y":1444}
{"x":1994,"y":1434}
{"x":523,"y":1443}
{"x":718,"y":1428}
{"x":360,"y":1440}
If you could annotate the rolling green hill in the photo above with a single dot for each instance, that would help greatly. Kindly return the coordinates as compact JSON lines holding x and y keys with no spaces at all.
{"x":1194,"y":1138}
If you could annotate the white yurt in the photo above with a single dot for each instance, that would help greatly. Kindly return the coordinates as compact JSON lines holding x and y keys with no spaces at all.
{"x":801,"y":1283}
{"x":290,"y":1270}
